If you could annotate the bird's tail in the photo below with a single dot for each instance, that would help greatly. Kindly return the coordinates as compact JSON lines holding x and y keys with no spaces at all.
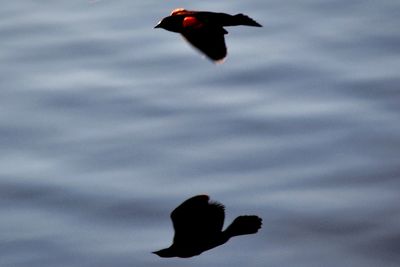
{"x":244,"y":225}
{"x":240,"y":19}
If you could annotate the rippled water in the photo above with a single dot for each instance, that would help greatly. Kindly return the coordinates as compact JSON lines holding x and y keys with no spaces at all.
{"x":106,"y":125}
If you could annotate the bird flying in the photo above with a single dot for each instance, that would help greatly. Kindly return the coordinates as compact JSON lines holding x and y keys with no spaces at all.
{"x":204,"y":29}
{"x":198,"y":227}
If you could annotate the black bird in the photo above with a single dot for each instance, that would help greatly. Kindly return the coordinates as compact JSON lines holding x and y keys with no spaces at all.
{"x":198,"y":227}
{"x":204,"y":29}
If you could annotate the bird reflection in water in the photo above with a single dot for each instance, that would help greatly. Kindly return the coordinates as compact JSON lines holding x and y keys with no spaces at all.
{"x":198,"y":227}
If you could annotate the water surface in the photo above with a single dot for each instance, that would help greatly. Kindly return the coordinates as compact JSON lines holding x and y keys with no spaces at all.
{"x":106,"y":125}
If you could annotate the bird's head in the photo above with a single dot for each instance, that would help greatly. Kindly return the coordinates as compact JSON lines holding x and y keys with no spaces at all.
{"x":171,"y":23}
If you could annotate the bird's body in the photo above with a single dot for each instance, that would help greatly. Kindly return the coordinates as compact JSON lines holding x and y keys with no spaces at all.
{"x":198,"y":227}
{"x":204,"y":29}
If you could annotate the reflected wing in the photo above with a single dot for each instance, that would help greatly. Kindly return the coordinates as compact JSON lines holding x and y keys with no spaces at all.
{"x":196,"y":219}
{"x":209,"y":40}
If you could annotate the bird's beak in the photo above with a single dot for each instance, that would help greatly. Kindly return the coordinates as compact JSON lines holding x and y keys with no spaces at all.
{"x":157,"y":26}
{"x":155,"y":252}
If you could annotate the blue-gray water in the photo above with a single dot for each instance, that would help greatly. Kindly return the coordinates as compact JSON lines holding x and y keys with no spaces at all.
{"x":106,"y":125}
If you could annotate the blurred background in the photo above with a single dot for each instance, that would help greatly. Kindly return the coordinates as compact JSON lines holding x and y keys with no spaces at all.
{"x":107,"y":124}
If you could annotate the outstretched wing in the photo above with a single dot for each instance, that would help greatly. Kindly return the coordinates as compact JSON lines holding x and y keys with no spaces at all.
{"x":196,"y":219}
{"x":209,"y":39}
{"x":181,"y":11}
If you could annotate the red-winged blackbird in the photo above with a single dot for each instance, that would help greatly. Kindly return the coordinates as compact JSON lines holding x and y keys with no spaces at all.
{"x":198,"y":227}
{"x":203,"y":29}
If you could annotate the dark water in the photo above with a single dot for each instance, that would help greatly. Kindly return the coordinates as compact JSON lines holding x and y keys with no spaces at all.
{"x":106,"y":125}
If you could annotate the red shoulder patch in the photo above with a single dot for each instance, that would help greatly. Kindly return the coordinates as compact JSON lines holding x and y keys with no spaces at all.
{"x":192,"y":22}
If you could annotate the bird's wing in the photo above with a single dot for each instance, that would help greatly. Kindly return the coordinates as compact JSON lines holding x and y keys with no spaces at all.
{"x":181,"y":11}
{"x":209,"y":41}
{"x":197,"y":219}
